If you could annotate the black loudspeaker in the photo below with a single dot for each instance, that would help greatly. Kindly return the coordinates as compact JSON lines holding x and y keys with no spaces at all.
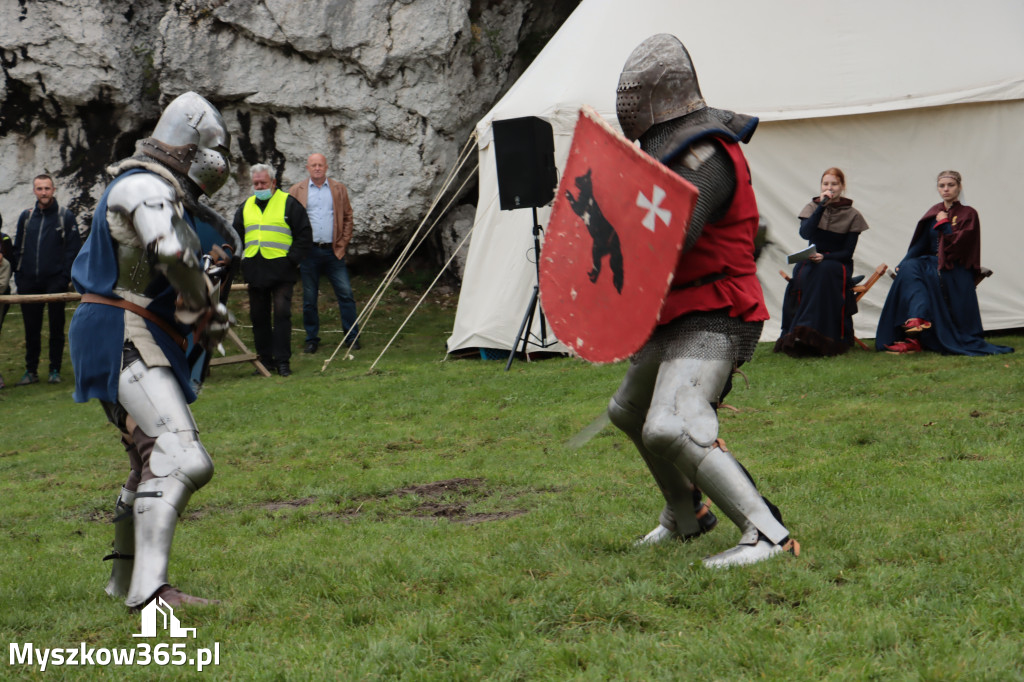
{"x":524,"y":150}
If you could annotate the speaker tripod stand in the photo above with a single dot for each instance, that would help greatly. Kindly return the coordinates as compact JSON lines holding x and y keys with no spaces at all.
{"x":533,"y":309}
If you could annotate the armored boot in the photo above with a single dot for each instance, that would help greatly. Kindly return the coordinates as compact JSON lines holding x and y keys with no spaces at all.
{"x":158,"y":503}
{"x":668,"y":527}
{"x":728,"y":484}
{"x":752,"y":548}
{"x":172,"y":596}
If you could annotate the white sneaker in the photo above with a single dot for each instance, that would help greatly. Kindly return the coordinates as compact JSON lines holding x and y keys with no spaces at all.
{"x":741,"y":555}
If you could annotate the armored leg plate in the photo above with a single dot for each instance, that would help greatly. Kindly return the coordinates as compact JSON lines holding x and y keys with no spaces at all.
{"x":628,"y":410}
{"x":123,"y":554}
{"x":157,"y":505}
{"x":723,"y":479}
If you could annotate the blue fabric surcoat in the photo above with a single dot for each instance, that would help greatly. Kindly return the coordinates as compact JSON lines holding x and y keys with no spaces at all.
{"x":96,"y":333}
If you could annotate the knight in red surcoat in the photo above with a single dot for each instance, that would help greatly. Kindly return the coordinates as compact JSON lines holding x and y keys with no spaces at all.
{"x":711,"y":320}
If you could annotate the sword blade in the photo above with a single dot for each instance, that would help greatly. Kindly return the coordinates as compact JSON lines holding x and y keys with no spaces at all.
{"x":589,"y":431}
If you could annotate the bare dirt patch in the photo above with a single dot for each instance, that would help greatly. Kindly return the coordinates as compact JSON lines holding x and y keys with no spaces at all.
{"x":447,"y":499}
{"x":97,"y":515}
{"x":456,"y":513}
{"x":285,"y":504}
{"x":440,"y":488}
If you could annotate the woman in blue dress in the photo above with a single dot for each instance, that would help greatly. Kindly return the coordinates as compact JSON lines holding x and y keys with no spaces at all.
{"x":818,"y":308}
{"x":932,"y":304}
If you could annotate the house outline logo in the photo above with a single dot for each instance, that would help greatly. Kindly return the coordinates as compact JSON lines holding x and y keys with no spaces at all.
{"x":170,"y":622}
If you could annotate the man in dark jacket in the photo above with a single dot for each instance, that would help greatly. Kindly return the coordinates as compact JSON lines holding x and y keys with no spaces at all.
{"x":45,"y":245}
{"x":6,"y":249}
{"x":277,"y":236}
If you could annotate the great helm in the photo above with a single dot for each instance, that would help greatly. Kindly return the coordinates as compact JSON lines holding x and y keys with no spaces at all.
{"x":657,"y":84}
{"x":191,"y":138}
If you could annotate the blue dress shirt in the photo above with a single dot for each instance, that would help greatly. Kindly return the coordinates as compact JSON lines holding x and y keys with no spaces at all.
{"x":320,"y":207}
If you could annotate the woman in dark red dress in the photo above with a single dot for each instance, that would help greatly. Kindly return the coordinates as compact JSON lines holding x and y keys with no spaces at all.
{"x":932,"y":304}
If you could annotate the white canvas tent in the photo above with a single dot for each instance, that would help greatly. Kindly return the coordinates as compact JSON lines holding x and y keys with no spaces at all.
{"x":891,"y":92}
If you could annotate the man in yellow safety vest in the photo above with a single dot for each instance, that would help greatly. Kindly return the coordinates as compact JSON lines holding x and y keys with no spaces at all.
{"x":277,"y":236}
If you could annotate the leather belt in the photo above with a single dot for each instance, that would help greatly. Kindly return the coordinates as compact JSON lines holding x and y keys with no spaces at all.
{"x":323,"y":245}
{"x":141,"y":312}
{"x":699,"y":282}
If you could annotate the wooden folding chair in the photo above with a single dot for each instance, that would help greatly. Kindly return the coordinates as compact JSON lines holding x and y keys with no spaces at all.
{"x":862,"y":288}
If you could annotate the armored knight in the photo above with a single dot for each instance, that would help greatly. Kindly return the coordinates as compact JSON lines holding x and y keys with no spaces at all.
{"x":711,"y":319}
{"x":143,"y":289}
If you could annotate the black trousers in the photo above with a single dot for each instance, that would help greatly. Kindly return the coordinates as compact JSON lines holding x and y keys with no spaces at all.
{"x":33,"y":314}
{"x":270,"y":309}
{"x":4,"y":306}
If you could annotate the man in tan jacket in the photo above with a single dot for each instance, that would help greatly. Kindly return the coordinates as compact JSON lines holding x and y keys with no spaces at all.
{"x":330,"y":214}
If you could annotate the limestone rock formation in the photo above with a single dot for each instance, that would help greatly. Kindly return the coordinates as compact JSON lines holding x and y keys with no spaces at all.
{"x":388,"y":90}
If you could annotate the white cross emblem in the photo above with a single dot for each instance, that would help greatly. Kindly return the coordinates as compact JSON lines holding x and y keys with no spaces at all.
{"x":653,"y":208}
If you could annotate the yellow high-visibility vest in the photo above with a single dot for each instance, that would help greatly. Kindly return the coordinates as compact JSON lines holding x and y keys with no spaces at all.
{"x":266,"y":231}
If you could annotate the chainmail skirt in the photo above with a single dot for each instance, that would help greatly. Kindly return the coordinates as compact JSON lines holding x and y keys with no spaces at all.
{"x":706,"y":336}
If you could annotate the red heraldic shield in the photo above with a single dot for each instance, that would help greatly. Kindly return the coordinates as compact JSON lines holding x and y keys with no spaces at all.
{"x":610,"y":249}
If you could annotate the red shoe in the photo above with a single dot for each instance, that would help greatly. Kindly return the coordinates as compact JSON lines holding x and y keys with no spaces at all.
{"x":916,"y":324}
{"x":902,"y":347}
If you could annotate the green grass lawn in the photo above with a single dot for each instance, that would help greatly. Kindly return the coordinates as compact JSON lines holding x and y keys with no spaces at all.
{"x":428,"y":521}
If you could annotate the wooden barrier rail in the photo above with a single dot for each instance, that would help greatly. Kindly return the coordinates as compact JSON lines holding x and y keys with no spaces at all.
{"x":40,"y":298}
{"x":68,"y":296}
{"x":245,"y":356}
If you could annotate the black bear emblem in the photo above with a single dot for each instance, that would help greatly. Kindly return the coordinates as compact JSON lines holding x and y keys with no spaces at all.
{"x":606,"y":239}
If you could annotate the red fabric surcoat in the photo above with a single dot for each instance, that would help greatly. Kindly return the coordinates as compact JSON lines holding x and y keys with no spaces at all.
{"x":724,"y":247}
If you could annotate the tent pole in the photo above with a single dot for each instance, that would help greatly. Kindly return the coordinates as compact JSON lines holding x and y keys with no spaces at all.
{"x":412,"y":245}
